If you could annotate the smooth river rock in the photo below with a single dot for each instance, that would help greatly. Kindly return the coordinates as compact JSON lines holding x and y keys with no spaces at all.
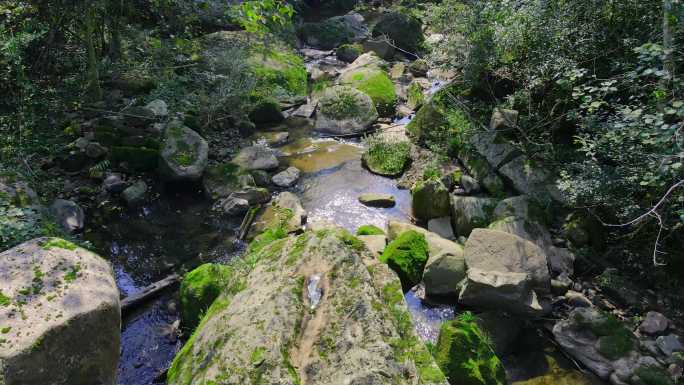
{"x":59,"y":314}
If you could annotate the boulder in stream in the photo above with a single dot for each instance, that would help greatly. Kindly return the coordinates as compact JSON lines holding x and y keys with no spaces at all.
{"x":257,"y":157}
{"x":287,"y":177}
{"x":60,"y":315}
{"x":68,"y":215}
{"x":430,"y":199}
{"x":377,"y":200}
{"x":468,"y":213}
{"x":184,"y":154}
{"x":310,"y":309}
{"x":345,"y":111}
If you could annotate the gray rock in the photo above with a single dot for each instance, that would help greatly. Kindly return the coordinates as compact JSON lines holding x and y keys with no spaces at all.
{"x":491,"y":250}
{"x":561,"y":284}
{"x":66,"y":328}
{"x":334,"y":120}
{"x":135,"y":194}
{"x":375,"y":243}
{"x":380,"y":47}
{"x":81,"y":143}
{"x":443,"y":275}
{"x":68,"y":215}
{"x":654,"y":324}
{"x":261,"y":178}
{"x":530,"y":179}
{"x":305,"y":110}
{"x":114,"y":183}
{"x":158,"y":108}
{"x":470,"y":185}
{"x":232,"y":206}
{"x":576,"y":299}
{"x":442,"y":227}
{"x":256,"y":158}
{"x":503,"y":119}
{"x":429,"y":199}
{"x":184,"y":154}
{"x":253,"y":195}
{"x":502,"y":329}
{"x":491,"y":147}
{"x":286,"y":178}
{"x":95,"y":150}
{"x":501,"y":291}
{"x":326,"y":320}
{"x":468,"y":213}
{"x":286,"y":208}
{"x":436,"y":244}
{"x":334,"y":31}
{"x":275,"y":139}
{"x":669,"y":344}
{"x":377,"y":200}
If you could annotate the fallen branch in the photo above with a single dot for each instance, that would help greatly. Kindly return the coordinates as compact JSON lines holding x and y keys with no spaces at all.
{"x":133,"y":301}
{"x":247,"y":222}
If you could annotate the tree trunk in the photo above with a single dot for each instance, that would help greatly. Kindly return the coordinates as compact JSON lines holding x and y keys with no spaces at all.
{"x":668,"y":44}
{"x":93,"y":74}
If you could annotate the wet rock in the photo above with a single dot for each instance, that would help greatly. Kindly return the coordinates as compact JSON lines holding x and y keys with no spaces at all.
{"x":490,"y":250}
{"x":669,"y":344}
{"x":468,"y":213}
{"x":375,"y":243}
{"x":275,"y":139}
{"x":436,"y":244}
{"x":184,"y":154}
{"x":232,"y":206}
{"x":261,"y":178}
{"x":68,"y":215}
{"x":503,"y":291}
{"x":654,"y":323}
{"x":158,"y":108}
{"x":430,"y":199}
{"x":442,"y":227}
{"x":334,"y":31}
{"x":286,"y":209}
{"x":256,"y":158}
{"x":443,"y":275}
{"x":303,"y":338}
{"x":377,"y":200}
{"x":286,"y":178}
{"x":344,"y":110}
{"x":223,"y":179}
{"x":253,"y":195}
{"x":405,"y":31}
{"x":134,"y":195}
{"x":60,"y":315}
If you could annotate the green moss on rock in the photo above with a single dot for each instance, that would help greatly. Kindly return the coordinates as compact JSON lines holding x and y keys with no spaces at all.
{"x":651,"y":375}
{"x":374,"y":82}
{"x":349,"y":52}
{"x":199,"y":289}
{"x":369,"y":230}
{"x":407,"y":256}
{"x":465,"y":355}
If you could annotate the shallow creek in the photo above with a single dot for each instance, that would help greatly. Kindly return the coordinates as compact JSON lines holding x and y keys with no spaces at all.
{"x":175,"y":232}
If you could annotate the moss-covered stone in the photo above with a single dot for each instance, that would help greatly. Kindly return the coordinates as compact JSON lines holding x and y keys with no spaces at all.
{"x":137,"y":158}
{"x":265,"y":111}
{"x":374,"y":82}
{"x":430,"y":199}
{"x":465,"y":355}
{"x":428,"y":119}
{"x":199,"y":289}
{"x":406,"y":31}
{"x":651,"y":375}
{"x":407,"y":255}
{"x":369,"y":230}
{"x":386,"y":157}
{"x":349,"y":52}
{"x":615,"y":340}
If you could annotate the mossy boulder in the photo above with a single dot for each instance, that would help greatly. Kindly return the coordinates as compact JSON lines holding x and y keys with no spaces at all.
{"x":349,"y":52}
{"x":406,"y":31}
{"x":184,"y":154}
{"x":369,"y":230}
{"x":407,"y":255}
{"x":343,"y":110}
{"x":465,"y":355}
{"x":374,"y":82}
{"x":428,"y":119}
{"x":199,"y":289}
{"x":333,"y":32}
{"x":386,"y":157}
{"x":430,"y":199}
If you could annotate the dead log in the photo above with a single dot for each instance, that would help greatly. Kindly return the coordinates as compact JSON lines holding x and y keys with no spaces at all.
{"x":133,"y":301}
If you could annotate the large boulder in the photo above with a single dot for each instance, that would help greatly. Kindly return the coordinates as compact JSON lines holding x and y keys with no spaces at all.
{"x":405,"y":31}
{"x":59,"y":314}
{"x":287,"y":177}
{"x":257,"y":157}
{"x":430,"y":199}
{"x":502,"y":291}
{"x":436,"y":244}
{"x":184,"y":154}
{"x":335,"y":31}
{"x":407,"y":255}
{"x":345,"y":111}
{"x":312,"y":309}
{"x":68,"y":215}
{"x":468,"y":213}
{"x":496,"y":251}
{"x":198,"y":290}
{"x":465,"y":355}
{"x":374,"y":81}
{"x":444,"y":274}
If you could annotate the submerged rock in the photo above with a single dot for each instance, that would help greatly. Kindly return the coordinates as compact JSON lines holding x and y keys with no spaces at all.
{"x":345,"y":111}
{"x":256,"y":157}
{"x":59,"y":314}
{"x":184,"y":154}
{"x":312,"y":309}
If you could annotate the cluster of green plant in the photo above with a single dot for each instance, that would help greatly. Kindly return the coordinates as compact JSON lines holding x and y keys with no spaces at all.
{"x":19,"y":224}
{"x":385,"y":156}
{"x":369,"y":230}
{"x":615,"y":339}
{"x":345,"y":104}
{"x":600,"y":100}
{"x":407,"y":255}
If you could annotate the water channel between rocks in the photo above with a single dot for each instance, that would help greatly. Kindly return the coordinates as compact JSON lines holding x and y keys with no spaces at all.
{"x":174,"y":231}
